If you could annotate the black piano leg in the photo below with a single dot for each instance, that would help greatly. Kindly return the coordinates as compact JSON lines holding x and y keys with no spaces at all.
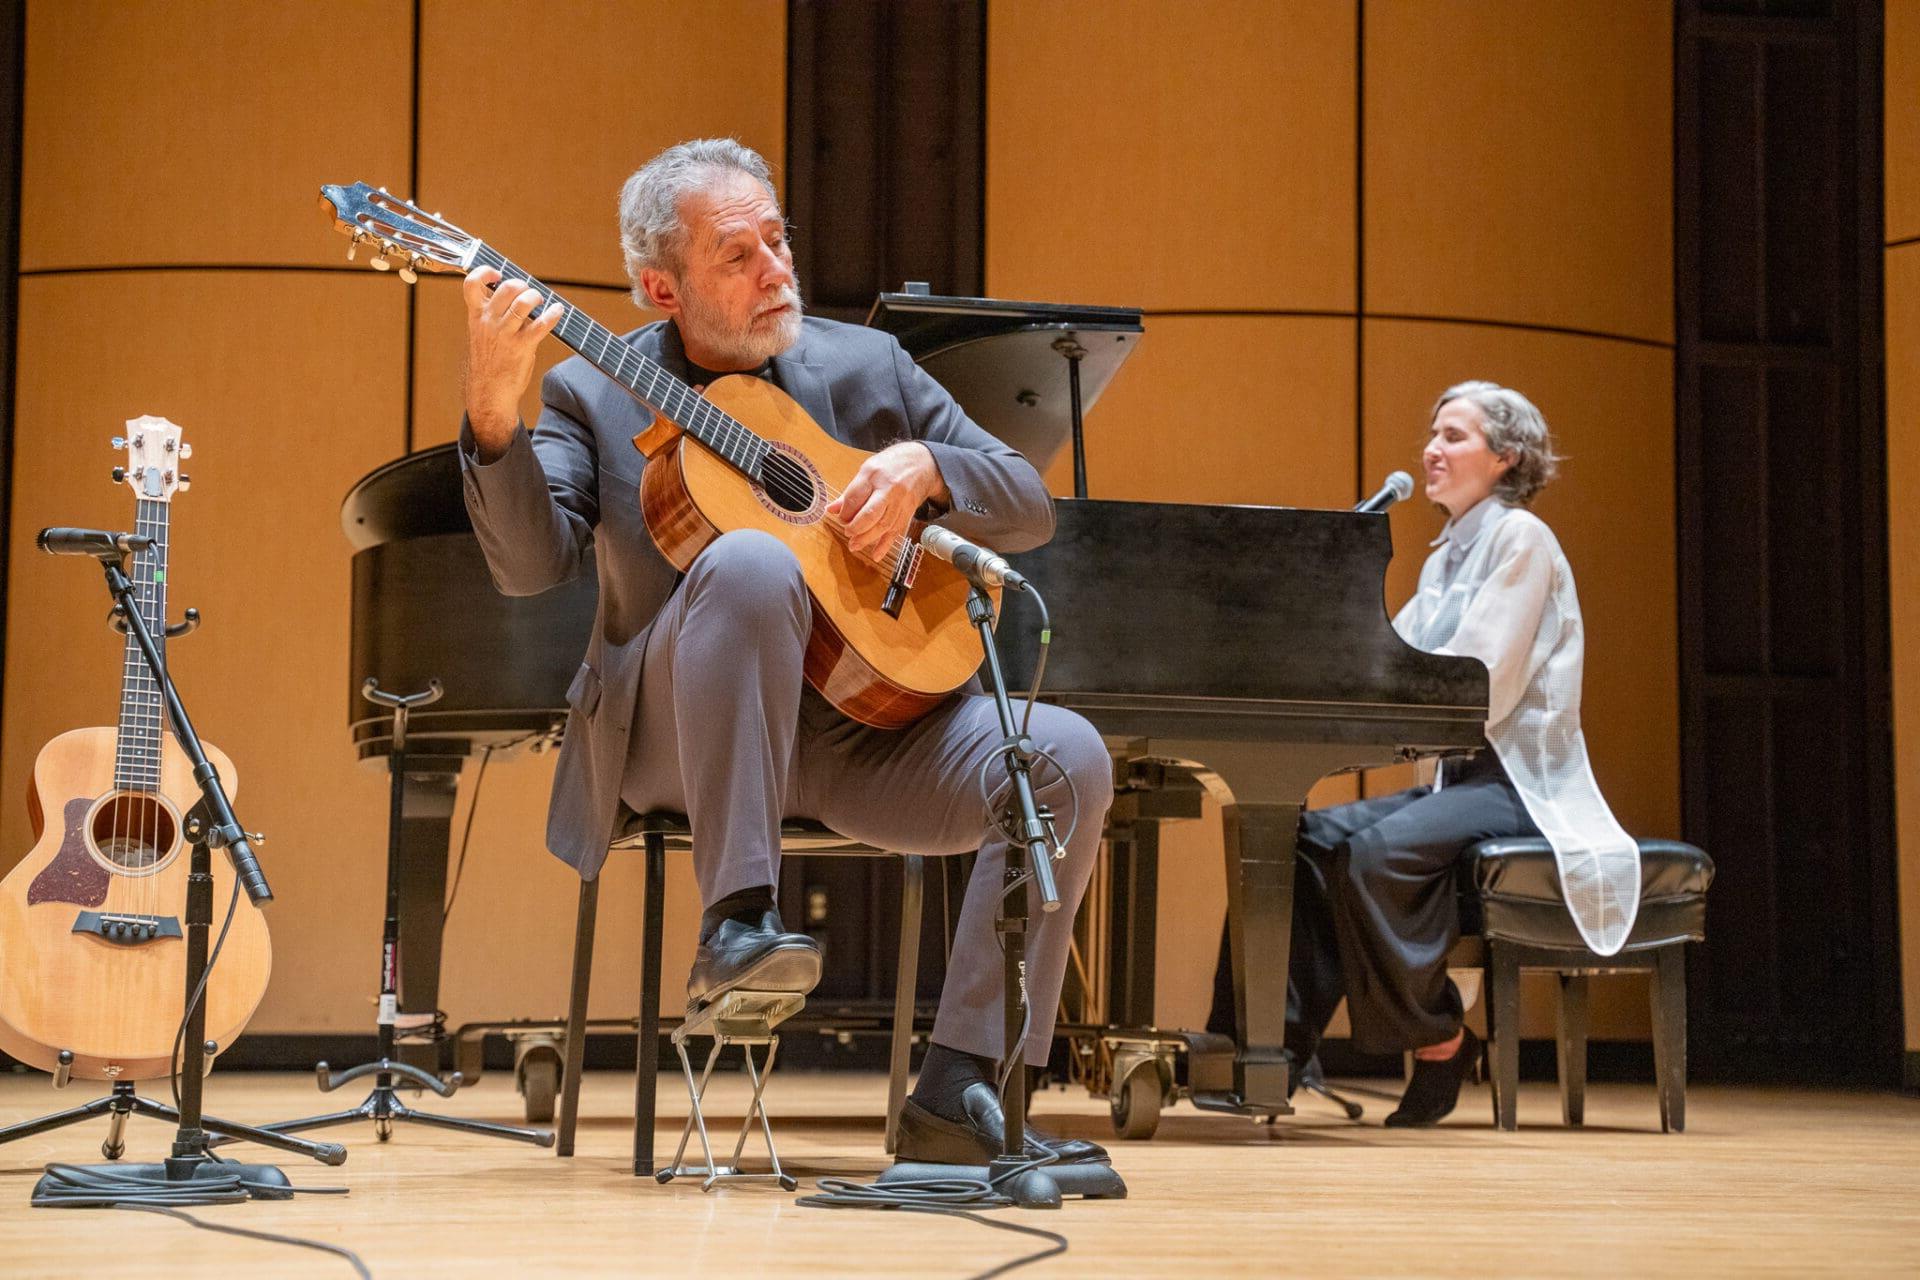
{"x":426,"y":825}
{"x":1260,"y":853}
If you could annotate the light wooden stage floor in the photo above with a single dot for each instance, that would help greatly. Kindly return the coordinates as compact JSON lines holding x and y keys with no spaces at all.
{"x":1773,"y":1182}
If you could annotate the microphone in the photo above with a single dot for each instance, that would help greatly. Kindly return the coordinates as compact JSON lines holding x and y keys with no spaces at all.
{"x":978,"y":563}
{"x":1399,"y":486}
{"x":90,"y":542}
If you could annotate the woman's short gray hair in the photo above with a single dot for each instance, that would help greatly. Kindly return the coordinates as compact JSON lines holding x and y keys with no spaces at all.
{"x":651,"y":233}
{"x":1514,"y":430}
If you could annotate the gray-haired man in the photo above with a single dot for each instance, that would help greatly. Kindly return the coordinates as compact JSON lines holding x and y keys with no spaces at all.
{"x":691,"y":696}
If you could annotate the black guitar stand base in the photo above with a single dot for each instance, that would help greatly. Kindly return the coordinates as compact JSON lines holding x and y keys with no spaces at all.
{"x":383,"y":1106}
{"x":124,"y":1102}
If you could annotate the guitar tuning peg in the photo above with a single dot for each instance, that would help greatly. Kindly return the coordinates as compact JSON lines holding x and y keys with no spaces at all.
{"x":119,"y":442}
{"x":186,"y":451}
{"x":119,"y":475}
{"x":410,"y":272}
{"x":380,"y":264}
{"x":186,"y":482}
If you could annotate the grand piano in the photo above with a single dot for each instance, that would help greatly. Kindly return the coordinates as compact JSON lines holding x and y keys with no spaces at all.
{"x":1237,"y":650}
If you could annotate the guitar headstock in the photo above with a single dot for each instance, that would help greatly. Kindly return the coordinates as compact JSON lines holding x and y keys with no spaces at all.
{"x":402,"y":234}
{"x":154,"y":454}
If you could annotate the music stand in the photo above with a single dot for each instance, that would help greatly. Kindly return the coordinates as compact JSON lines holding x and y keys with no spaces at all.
{"x":1025,"y":371}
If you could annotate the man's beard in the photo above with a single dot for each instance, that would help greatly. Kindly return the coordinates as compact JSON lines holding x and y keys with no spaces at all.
{"x":761,"y":339}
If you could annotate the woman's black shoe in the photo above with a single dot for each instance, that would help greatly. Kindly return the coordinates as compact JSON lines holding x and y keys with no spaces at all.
{"x":1435,"y":1086}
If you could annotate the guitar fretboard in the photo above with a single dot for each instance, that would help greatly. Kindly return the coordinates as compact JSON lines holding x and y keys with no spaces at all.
{"x":658,"y":389}
{"x":143,"y":712}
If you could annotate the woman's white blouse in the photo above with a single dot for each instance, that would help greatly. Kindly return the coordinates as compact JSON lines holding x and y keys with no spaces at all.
{"x":1498,"y":588}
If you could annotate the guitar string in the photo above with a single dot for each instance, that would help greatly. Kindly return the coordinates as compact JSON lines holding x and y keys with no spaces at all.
{"x":795,"y":485}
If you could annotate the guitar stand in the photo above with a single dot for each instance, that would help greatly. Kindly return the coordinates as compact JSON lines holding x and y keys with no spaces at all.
{"x":123,"y":1102}
{"x":746,"y":1018}
{"x":383,"y":1106}
{"x":210,"y":824}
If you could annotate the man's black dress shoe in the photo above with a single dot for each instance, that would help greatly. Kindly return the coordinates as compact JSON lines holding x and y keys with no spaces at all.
{"x":931,"y":1139}
{"x":1435,"y":1086}
{"x":757,"y":957}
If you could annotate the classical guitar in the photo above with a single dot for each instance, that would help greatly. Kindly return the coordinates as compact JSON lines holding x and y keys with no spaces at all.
{"x":92,"y":949}
{"x":890,"y":636}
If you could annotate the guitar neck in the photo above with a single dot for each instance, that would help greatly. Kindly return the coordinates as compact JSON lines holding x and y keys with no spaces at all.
{"x":645,"y":379}
{"x":143,"y":711}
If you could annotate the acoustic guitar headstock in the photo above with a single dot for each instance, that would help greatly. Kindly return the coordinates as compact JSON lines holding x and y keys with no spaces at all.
{"x":155,"y":451}
{"x":401,"y":234}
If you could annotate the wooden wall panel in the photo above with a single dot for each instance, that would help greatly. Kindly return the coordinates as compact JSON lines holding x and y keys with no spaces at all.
{"x":1226,"y":409}
{"x":440,"y":346}
{"x":1902,"y":84}
{"x":201,"y":130}
{"x":249,"y":364}
{"x":1903,"y":562}
{"x":1518,"y":162}
{"x":1186,"y":156}
{"x":531,"y":116}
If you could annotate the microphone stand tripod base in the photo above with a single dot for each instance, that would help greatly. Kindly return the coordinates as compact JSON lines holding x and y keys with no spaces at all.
{"x":1036,"y":1188}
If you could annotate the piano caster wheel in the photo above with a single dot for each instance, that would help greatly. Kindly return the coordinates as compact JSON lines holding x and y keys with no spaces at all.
{"x":1135,"y":1104}
{"x":538,"y":1075}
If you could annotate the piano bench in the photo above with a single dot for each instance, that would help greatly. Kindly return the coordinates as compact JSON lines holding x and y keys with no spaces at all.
{"x":656,"y":834}
{"x":1510,"y":897}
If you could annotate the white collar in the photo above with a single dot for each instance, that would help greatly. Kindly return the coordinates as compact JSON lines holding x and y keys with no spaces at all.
{"x":1466,"y":529}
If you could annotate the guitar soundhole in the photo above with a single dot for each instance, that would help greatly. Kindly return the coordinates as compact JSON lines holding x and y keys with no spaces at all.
{"x":134,"y":834}
{"x":787,"y":483}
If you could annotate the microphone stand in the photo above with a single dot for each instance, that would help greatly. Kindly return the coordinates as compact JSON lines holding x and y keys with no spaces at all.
{"x":210,"y":824}
{"x":1028,"y":1183}
{"x":1028,"y":1187}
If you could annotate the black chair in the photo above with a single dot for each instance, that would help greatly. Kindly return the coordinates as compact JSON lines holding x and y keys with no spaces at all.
{"x":1510,"y":895}
{"x":656,"y":834}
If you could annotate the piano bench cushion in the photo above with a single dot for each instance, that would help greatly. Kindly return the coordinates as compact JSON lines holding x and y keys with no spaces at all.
{"x":1510,"y":889}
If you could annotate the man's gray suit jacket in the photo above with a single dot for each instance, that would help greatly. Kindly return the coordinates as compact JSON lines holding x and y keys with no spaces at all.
{"x":576,"y":477}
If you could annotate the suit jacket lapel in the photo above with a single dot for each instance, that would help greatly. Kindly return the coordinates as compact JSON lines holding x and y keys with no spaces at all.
{"x":807,"y":384}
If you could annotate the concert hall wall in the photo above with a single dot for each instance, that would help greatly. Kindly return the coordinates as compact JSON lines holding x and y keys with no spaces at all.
{"x":1329,"y":211}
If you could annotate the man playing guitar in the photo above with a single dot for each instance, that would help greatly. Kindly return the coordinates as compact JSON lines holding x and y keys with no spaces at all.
{"x":691,"y":696}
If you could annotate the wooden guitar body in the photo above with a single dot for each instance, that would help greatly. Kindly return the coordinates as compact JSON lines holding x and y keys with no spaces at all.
{"x":93,"y":919}
{"x":879,"y":669}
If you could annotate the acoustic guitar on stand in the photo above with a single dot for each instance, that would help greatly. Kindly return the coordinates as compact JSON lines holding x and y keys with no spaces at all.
{"x":890,"y":637}
{"x":92,"y":949}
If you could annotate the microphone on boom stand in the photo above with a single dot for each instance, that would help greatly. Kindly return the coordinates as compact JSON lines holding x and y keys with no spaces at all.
{"x":1398,"y":488}
{"x":90,"y":542}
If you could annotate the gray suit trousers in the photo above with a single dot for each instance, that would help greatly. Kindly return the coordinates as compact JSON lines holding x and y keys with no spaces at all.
{"x":728,"y":733}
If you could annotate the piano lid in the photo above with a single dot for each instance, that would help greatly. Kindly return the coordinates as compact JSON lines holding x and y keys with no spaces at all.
{"x":1002,"y":360}
{"x":1268,"y":615}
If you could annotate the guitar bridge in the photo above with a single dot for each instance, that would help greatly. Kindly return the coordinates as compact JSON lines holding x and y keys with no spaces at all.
{"x":126,"y":930}
{"x":904,"y":573}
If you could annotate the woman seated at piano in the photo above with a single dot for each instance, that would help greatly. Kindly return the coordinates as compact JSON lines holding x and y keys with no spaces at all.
{"x":1374,"y":907}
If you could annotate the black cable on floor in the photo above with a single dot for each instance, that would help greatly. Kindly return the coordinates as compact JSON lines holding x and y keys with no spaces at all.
{"x":78,"y":1187}
{"x":949,"y":1197}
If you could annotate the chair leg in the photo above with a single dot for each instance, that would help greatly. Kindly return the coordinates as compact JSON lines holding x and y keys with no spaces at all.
{"x":906,"y":984}
{"x":1668,"y":992}
{"x":574,"y":1059}
{"x":1572,"y":1039}
{"x":647,"y":1047}
{"x":1503,"y":1017}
